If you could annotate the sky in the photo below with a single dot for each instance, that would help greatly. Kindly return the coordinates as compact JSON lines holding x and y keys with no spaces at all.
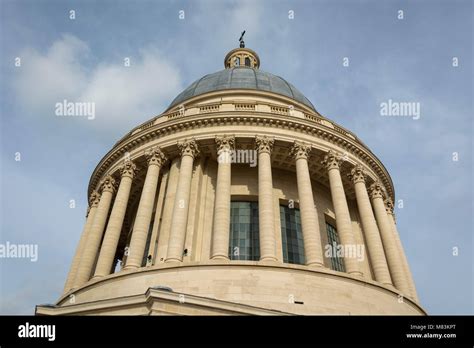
{"x":425,"y":57}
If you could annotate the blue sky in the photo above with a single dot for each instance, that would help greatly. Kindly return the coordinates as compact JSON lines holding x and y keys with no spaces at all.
{"x":409,"y":59}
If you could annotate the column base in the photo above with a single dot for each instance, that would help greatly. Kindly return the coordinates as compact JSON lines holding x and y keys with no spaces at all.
{"x":220,"y":257}
{"x":269,"y":258}
{"x":173,"y":260}
{"x":315,"y":265}
{"x":356,"y":273}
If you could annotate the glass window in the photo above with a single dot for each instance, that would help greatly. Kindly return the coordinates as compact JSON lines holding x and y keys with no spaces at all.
{"x":247,"y":61}
{"x":146,"y":257}
{"x":244,"y":237}
{"x":236,"y":61}
{"x":337,"y":263}
{"x":291,"y":235}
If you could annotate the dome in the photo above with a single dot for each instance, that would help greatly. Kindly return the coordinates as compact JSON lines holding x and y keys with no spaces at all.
{"x":241,"y":77}
{"x":192,"y":212}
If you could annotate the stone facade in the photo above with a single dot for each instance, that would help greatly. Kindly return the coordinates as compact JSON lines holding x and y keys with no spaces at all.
{"x":156,"y":237}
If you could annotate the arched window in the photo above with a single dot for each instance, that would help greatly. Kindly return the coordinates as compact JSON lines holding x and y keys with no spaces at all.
{"x":291,"y":235}
{"x":244,"y":233}
{"x":247,"y":61}
{"x":236,"y":61}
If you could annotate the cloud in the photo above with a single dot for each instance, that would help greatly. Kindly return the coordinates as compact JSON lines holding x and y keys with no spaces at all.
{"x":123,"y":96}
{"x":44,"y":78}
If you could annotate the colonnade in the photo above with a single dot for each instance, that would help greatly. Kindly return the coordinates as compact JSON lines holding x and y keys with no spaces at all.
{"x":94,"y":259}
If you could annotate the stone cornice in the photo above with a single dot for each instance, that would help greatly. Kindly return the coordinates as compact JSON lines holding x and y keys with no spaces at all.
{"x":195,"y":103}
{"x":307,"y":126}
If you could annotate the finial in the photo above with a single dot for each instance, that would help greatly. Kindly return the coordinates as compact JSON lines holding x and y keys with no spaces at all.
{"x":241,"y":40}
{"x":241,"y":56}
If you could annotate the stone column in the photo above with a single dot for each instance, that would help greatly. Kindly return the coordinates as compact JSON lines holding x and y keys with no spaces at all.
{"x":389,"y":243}
{"x":264,"y":147}
{"x":114,"y":227}
{"x":93,"y":203}
{"x":220,"y":234}
{"x":91,"y":249}
{"x":369,"y":225}
{"x":189,"y":150}
{"x":343,"y":218}
{"x":401,"y":252}
{"x":141,"y":226}
{"x":309,"y":217}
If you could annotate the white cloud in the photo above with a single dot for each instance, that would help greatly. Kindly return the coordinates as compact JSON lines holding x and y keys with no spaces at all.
{"x":123,"y":96}
{"x":43,"y":78}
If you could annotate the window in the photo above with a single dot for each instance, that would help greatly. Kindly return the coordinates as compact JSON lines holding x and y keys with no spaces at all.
{"x":146,"y":260}
{"x":247,"y":61}
{"x":244,"y":241}
{"x":236,"y":61}
{"x":291,"y":235}
{"x":337,"y":263}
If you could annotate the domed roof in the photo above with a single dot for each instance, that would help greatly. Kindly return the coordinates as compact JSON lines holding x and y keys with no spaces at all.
{"x":241,"y":77}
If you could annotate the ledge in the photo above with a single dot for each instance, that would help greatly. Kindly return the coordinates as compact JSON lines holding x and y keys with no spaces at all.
{"x":246,"y":264}
{"x":297,"y":124}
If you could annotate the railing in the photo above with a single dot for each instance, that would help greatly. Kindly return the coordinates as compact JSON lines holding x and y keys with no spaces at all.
{"x":244,"y":107}
{"x":339,"y":129}
{"x":147,"y":125}
{"x":312,"y":118}
{"x":275,"y":109}
{"x":279,"y":110}
{"x":176,"y":114}
{"x":209,"y":108}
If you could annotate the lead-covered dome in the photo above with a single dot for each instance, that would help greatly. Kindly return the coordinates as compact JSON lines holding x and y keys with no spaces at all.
{"x":241,"y":77}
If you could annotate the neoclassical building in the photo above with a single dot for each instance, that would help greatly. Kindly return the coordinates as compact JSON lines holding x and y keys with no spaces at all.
{"x":240,"y":198}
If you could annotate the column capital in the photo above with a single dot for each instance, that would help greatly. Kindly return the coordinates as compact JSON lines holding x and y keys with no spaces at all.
{"x":188,"y":148}
{"x":389,"y":206}
{"x":264,"y":144}
{"x":300,"y":150}
{"x":107,"y":184}
{"x":376,"y":190}
{"x":357,"y":174}
{"x":128,"y":169}
{"x":155,"y":156}
{"x":94,"y":199}
{"x":225,"y":143}
{"x":332,"y":160}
